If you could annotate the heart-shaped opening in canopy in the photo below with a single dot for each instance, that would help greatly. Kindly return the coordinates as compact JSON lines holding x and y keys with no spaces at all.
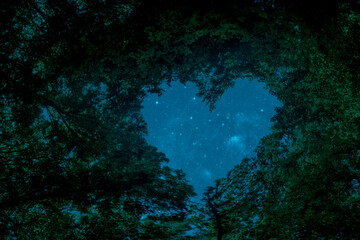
{"x":206,"y":145}
{"x":74,"y":160}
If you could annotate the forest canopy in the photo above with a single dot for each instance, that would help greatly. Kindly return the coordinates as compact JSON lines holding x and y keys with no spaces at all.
{"x":75,"y":164}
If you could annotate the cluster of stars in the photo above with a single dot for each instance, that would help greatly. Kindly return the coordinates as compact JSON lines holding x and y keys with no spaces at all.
{"x":204,"y":144}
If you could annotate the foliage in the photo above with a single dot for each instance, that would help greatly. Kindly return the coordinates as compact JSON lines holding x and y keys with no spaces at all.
{"x":74,"y":160}
{"x":304,"y":181}
{"x":73,"y":157}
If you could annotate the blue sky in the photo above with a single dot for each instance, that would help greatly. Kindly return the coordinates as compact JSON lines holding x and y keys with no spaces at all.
{"x":206,"y":145}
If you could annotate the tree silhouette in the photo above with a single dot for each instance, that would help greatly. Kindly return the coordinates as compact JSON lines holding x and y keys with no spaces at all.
{"x":73,"y":157}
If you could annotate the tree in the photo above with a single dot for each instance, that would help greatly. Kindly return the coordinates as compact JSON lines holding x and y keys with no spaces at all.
{"x":300,"y":184}
{"x":74,"y":161}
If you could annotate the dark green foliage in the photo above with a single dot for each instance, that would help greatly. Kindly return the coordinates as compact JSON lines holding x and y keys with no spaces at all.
{"x":73,"y":160}
{"x":304,"y":182}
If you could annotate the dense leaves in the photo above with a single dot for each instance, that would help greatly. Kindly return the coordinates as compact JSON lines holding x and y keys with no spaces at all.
{"x":304,"y":181}
{"x":74,"y":163}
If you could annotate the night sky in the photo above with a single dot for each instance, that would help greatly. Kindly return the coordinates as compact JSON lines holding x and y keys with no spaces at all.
{"x":206,"y":145}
